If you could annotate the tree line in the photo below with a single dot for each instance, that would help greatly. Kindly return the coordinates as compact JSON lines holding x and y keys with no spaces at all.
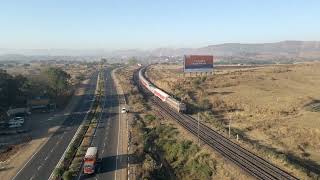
{"x":16,"y":90}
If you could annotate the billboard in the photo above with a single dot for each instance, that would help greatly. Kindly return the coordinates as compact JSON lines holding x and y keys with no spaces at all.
{"x":198,"y":63}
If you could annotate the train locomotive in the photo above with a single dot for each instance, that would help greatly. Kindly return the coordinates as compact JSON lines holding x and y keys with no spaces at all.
{"x":175,"y":104}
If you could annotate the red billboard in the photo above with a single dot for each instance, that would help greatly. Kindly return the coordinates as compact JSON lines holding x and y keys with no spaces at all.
{"x":198,"y":63}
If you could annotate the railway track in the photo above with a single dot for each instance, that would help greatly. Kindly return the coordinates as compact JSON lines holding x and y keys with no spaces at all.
{"x":251,"y":163}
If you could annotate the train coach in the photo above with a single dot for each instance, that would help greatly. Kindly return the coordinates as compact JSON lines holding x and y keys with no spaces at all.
{"x":175,"y":104}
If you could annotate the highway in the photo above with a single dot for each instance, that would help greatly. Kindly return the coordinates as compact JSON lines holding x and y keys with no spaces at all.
{"x":43,"y":162}
{"x":108,"y":137}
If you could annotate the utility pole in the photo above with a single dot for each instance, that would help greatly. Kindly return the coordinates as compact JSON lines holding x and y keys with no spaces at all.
{"x":229,"y":126}
{"x":198,"y":129}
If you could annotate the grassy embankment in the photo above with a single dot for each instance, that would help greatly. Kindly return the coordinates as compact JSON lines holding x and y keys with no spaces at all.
{"x":274,"y":110}
{"x":158,"y":151}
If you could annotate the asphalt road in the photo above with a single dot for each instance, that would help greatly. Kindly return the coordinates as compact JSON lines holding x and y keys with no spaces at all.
{"x":41,"y":165}
{"x":107,"y":136}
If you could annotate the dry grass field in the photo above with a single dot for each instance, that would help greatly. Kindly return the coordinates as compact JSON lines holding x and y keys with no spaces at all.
{"x":139,"y":127}
{"x":275,"y":110}
{"x":77,"y":72}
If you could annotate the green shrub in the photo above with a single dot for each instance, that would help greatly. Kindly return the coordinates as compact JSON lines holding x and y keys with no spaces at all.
{"x":201,"y":167}
{"x":58,"y":172}
{"x":67,"y":175}
{"x":205,"y":104}
{"x":149,"y":117}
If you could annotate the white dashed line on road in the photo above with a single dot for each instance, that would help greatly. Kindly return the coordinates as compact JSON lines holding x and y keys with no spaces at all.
{"x":117,"y":156}
{"x":39,"y":168}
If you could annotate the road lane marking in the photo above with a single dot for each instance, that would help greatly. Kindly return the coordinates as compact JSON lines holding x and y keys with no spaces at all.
{"x":39,"y":168}
{"x":46,"y":158}
{"x":32,"y":177}
{"x":118,"y":142}
{"x":43,"y":143}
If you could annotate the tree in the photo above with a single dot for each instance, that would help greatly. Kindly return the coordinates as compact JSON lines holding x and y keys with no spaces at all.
{"x":205,"y":104}
{"x":104,"y":60}
{"x":58,"y":80}
{"x":38,"y":86}
{"x":132,"y":61}
{"x":13,"y":90}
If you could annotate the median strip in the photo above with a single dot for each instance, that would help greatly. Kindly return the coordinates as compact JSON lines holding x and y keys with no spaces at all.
{"x":71,"y":161}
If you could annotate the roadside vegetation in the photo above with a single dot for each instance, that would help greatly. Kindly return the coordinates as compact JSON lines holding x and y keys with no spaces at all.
{"x":54,"y":79}
{"x":59,"y":83}
{"x":160,"y":149}
{"x":16,"y":90}
{"x":274,"y":109}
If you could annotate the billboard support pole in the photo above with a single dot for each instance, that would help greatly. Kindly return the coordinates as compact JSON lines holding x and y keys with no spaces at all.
{"x":198,"y":129}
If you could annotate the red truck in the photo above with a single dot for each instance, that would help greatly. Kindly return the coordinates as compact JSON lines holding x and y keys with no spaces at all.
{"x":90,"y":160}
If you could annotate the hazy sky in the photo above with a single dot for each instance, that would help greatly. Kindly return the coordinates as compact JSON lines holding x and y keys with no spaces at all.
{"x":154,"y":23}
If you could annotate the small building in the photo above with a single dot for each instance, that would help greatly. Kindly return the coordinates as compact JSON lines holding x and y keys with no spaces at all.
{"x":41,"y":103}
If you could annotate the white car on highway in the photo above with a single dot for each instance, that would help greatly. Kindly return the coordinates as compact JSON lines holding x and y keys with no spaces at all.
{"x":16,"y":120}
{"x":124,"y":110}
{"x":15,"y":125}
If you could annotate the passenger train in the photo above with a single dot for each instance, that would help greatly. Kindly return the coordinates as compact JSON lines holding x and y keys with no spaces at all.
{"x":175,"y":104}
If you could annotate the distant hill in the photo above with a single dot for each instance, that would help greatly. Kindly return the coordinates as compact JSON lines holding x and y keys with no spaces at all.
{"x":285,"y":50}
